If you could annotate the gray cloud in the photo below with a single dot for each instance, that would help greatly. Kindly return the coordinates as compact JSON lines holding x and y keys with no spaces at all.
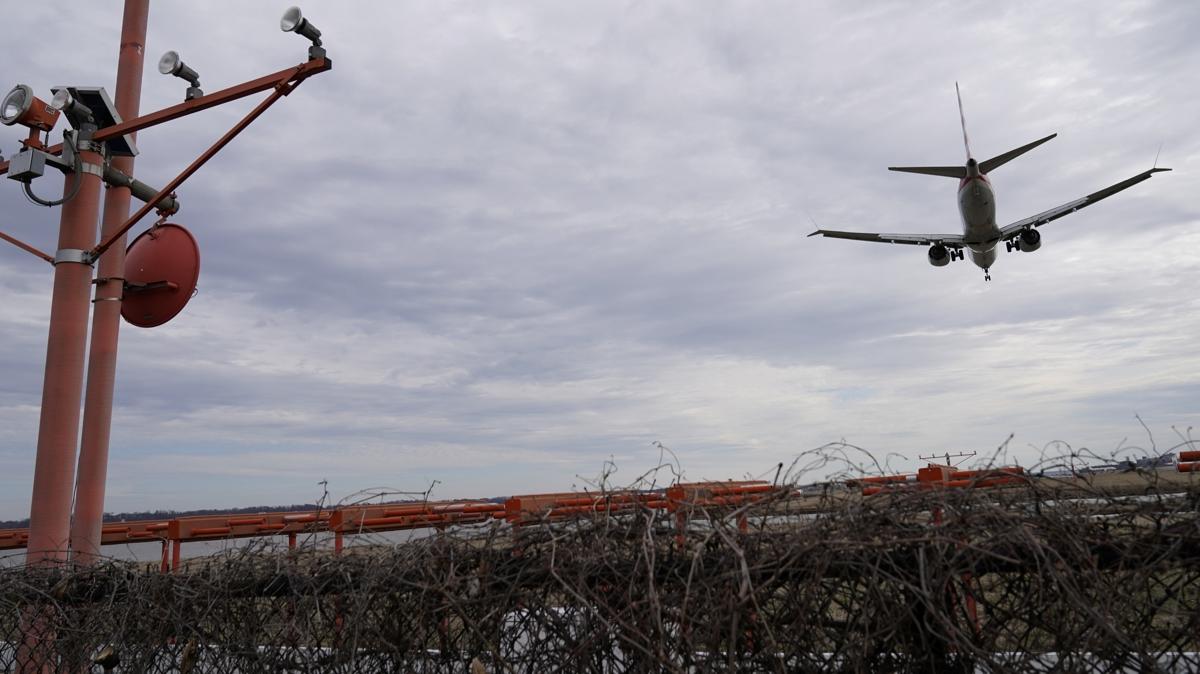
{"x":498,"y":245}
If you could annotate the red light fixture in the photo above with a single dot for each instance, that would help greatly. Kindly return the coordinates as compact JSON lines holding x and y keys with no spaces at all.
{"x":20,"y":106}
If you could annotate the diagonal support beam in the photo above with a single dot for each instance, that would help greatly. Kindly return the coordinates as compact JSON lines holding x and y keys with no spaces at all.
{"x":26,"y":247}
{"x":283,"y":86}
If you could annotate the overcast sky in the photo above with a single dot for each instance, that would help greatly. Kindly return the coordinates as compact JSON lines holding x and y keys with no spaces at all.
{"x":501,"y":244}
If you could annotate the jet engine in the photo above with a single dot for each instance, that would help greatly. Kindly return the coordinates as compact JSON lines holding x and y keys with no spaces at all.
{"x":1029,"y":241}
{"x":938,"y":255}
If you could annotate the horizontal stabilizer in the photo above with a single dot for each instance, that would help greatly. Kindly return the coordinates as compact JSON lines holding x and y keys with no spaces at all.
{"x":947,"y":171}
{"x":1002,"y":159}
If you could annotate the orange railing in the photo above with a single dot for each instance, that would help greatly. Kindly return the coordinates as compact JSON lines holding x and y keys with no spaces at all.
{"x":682,"y":500}
{"x":377,"y":518}
{"x":1189,"y":462}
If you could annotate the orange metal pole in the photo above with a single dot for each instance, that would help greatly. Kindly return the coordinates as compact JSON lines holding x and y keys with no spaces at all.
{"x":166,"y":557}
{"x":175,"y":550}
{"x":106,"y":316}
{"x":66,"y":343}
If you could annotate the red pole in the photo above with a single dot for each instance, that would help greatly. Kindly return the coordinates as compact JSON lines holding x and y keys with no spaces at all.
{"x":106,"y":316}
{"x":58,"y":431}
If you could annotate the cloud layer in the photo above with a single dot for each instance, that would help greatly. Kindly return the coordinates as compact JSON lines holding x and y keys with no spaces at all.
{"x":499,"y":245}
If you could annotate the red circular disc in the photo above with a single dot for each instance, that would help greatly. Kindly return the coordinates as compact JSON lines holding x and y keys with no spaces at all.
{"x":161,"y":269}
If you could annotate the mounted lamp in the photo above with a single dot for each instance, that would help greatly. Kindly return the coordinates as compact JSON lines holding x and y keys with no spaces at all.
{"x":293,"y":21}
{"x":20,"y":106}
{"x":171,"y":64}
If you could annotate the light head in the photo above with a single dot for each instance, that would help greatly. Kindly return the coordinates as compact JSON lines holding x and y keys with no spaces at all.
{"x":171,"y":64}
{"x":293,"y":21}
{"x":20,"y":106}
{"x":77,"y":113}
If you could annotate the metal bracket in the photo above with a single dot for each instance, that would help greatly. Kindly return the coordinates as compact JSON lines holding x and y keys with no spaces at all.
{"x":73,"y":255}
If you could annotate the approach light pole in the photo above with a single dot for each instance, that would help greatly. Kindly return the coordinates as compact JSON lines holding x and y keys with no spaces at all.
{"x":99,"y":149}
{"x":92,"y":473}
{"x":62,"y":387}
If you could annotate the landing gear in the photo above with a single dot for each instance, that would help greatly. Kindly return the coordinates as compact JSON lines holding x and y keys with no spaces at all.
{"x":987,"y":275}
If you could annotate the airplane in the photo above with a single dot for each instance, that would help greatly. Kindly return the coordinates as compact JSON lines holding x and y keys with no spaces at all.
{"x":977,"y":208}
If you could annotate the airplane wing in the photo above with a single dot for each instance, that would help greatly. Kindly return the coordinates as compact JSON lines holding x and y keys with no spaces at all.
{"x":1012,"y":231}
{"x":947,"y":240}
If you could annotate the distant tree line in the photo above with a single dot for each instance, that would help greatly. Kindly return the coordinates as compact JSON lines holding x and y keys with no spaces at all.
{"x":171,"y":514}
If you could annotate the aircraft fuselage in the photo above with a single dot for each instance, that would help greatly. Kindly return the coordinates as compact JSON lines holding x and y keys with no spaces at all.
{"x":977,"y":207}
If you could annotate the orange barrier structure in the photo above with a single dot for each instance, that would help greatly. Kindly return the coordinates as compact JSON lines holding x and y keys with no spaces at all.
{"x":1189,"y":462}
{"x":939,"y":476}
{"x":377,"y":518}
{"x":221,"y":527}
{"x":681,"y":500}
{"x":530,"y":508}
{"x":730,"y":493}
{"x":13,"y":539}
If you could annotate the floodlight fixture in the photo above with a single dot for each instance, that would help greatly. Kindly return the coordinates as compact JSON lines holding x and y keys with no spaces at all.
{"x":78,"y":113}
{"x":171,"y":64}
{"x":20,"y":106}
{"x":293,"y":21}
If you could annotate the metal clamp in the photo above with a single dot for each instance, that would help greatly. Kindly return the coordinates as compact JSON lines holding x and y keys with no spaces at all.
{"x":86,"y":144}
{"x":73,"y":255}
{"x":94,"y":169}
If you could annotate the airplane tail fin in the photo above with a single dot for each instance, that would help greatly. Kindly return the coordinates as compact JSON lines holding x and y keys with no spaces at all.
{"x":984,"y":167}
{"x":963,"y":120}
{"x":1002,"y":159}
{"x":958,"y":172}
